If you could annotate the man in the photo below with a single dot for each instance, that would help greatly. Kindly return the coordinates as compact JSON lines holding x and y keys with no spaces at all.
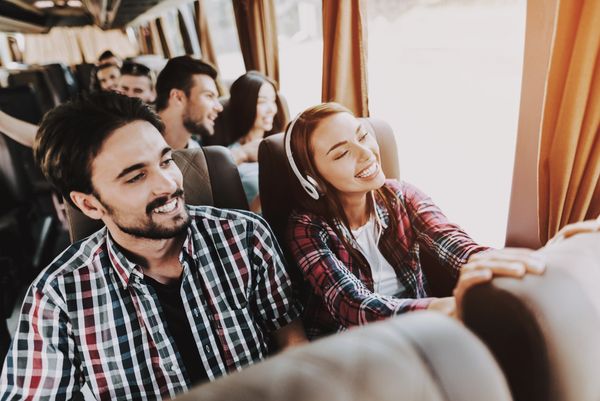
{"x":108,"y":57}
{"x":166,"y":295}
{"x":108,"y":77}
{"x":187,"y":101}
{"x":137,"y":80}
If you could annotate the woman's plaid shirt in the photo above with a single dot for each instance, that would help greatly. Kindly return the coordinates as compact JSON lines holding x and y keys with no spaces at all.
{"x":90,"y":318}
{"x":340,"y":293}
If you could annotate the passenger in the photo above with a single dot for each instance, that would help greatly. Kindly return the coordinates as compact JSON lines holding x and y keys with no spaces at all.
{"x":108,"y":57}
{"x":108,"y":77}
{"x":137,"y":80}
{"x":187,"y":101}
{"x":166,"y":295}
{"x":357,"y":236}
{"x":253,"y":106}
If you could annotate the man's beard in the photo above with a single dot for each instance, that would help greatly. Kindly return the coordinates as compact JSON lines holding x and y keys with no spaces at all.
{"x":151,"y":230}
{"x":195,"y":128}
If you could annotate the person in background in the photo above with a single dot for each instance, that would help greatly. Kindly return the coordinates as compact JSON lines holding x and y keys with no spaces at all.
{"x":357,"y":236}
{"x":187,"y":101}
{"x":253,"y":107}
{"x":137,"y":80}
{"x":148,"y":305}
{"x":108,"y":76}
{"x":108,"y":57}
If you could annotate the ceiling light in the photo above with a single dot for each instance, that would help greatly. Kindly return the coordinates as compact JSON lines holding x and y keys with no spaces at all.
{"x":44,"y":4}
{"x":74,"y":3}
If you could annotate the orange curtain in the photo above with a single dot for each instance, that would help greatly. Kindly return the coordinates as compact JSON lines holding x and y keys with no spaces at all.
{"x":569,"y":163}
{"x":206,"y":46}
{"x":344,"y":54}
{"x":163,"y":39}
{"x":257,"y":31}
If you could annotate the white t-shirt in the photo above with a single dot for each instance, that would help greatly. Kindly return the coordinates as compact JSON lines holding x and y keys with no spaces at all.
{"x":385,"y":281}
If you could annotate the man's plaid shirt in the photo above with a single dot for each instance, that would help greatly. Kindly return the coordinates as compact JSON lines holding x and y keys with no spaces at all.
{"x":340,"y":293}
{"x":90,"y":317}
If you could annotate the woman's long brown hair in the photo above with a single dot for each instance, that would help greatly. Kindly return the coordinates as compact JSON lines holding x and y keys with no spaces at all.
{"x":329,"y":204}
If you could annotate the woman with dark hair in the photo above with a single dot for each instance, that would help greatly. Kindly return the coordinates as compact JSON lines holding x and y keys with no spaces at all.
{"x":253,"y":106}
{"x":357,"y":236}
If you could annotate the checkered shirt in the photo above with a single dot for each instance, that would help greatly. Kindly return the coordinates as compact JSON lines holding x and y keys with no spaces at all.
{"x":340,"y":293}
{"x":90,"y":317}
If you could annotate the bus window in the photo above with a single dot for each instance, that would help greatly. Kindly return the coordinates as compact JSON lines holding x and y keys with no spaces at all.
{"x":223,"y":33}
{"x":448,"y":83}
{"x":300,"y":34}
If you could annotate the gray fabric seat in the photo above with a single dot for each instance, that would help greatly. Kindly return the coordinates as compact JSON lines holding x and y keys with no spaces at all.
{"x":419,"y":356}
{"x":210,"y":177}
{"x":544,"y":330}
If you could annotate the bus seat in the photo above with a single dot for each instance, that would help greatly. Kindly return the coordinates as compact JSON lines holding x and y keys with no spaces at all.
{"x":210,"y":177}
{"x":62,"y":81}
{"x":419,"y":356}
{"x":42,"y":85}
{"x":21,"y":102}
{"x":543,"y":330}
{"x":84,"y":74}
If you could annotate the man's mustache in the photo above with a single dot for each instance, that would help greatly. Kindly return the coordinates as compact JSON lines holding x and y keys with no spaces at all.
{"x":158,"y":202}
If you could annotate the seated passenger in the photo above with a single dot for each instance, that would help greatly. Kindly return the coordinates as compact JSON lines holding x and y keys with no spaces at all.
{"x":253,"y":106}
{"x":108,"y":77}
{"x":166,"y":295}
{"x":137,"y":80}
{"x":357,"y":236}
{"x":108,"y":57}
{"x":19,"y":130}
{"x":187,"y":101}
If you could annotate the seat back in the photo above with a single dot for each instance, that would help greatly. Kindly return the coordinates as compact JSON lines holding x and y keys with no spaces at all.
{"x":210,"y":177}
{"x":21,"y":102}
{"x":543,"y":330}
{"x":62,"y":80}
{"x":418,"y":356}
{"x":39,"y":79}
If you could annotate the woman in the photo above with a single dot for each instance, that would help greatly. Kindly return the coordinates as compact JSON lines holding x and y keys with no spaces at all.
{"x":253,"y":109}
{"x":357,"y":236}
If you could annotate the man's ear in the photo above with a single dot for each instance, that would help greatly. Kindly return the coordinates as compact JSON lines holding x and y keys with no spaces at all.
{"x":88,"y":204}
{"x":177,"y":95}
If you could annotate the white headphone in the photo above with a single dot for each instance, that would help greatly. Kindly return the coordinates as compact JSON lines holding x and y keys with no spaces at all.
{"x":309,"y":184}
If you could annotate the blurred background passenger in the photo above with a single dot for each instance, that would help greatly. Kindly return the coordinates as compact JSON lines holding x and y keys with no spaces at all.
{"x":108,"y":77}
{"x":137,"y":80}
{"x":108,"y":57}
{"x":253,"y":107}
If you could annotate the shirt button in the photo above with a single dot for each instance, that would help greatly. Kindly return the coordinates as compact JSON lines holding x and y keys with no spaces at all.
{"x":208,"y":349}
{"x":196,"y":312}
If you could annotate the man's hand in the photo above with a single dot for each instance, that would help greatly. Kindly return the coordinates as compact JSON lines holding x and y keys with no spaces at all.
{"x":581,"y":227}
{"x":508,"y":262}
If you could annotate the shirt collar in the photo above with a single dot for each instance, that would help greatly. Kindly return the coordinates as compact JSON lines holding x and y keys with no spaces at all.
{"x":125,"y":267}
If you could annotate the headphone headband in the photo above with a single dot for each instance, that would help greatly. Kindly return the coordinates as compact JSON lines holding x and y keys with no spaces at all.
{"x":308,"y":183}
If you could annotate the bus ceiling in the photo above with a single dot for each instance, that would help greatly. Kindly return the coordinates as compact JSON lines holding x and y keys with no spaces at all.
{"x":38,"y":16}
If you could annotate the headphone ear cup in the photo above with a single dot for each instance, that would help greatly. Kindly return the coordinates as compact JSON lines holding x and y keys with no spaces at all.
{"x":315,"y":184}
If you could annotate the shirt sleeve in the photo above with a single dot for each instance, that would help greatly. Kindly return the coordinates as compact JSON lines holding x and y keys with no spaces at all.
{"x":42,"y":362}
{"x":443,"y":239}
{"x":274,"y":299}
{"x":347,"y":299}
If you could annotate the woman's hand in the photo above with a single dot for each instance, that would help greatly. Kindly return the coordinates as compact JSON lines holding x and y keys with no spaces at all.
{"x":508,"y":262}
{"x":447,"y":306}
{"x":581,"y":227}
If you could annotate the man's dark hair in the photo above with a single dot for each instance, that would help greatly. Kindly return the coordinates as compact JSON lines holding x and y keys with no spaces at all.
{"x":106,"y":54}
{"x":71,"y":135}
{"x":178,"y":74}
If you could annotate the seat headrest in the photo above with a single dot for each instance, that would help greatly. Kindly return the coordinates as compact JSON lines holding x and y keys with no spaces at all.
{"x":544,"y":330}
{"x":411,"y":357}
{"x":210,"y":177}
